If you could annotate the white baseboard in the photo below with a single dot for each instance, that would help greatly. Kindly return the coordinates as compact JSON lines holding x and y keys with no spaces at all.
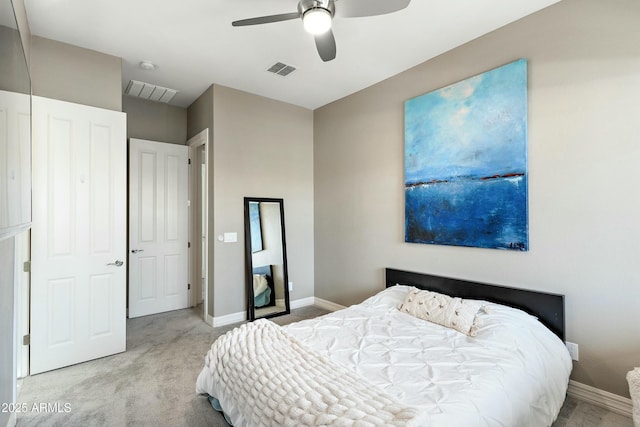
{"x":209,"y":320}
{"x":327,"y":305}
{"x":604,"y":399}
{"x":242,"y":316}
{"x":302,"y":302}
{"x":229,"y":319}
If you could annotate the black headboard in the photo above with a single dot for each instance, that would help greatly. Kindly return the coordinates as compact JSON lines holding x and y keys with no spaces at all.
{"x":548,"y":308}
{"x":265,"y":269}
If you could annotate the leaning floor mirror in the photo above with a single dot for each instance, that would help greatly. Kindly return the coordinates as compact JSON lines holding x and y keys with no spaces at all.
{"x":265,"y":258}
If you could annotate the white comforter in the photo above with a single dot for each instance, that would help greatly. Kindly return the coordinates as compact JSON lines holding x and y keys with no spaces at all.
{"x":264,"y":376}
{"x":514,"y":373}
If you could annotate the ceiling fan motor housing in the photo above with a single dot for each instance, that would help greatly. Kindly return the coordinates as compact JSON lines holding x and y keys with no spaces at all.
{"x":305,"y":6}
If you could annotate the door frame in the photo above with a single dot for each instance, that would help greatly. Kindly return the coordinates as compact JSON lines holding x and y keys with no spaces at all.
{"x":22,"y":293}
{"x":199,"y":140}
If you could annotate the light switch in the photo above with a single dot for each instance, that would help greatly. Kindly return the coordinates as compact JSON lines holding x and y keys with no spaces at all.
{"x":230,"y":237}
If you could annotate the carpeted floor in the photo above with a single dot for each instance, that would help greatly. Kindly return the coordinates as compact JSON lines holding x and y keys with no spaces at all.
{"x":153,"y":382}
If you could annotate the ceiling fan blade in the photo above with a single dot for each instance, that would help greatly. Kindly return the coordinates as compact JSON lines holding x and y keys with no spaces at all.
{"x":326,"y":45}
{"x":358,"y":8}
{"x":266,"y":19}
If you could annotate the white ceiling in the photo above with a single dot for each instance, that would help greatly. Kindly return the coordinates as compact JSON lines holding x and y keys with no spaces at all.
{"x":193,"y":43}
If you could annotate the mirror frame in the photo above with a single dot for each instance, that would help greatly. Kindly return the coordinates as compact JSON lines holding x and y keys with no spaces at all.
{"x":251,"y":312}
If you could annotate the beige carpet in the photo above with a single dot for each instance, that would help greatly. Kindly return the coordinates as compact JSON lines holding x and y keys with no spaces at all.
{"x":580,"y":414}
{"x":153,"y":382}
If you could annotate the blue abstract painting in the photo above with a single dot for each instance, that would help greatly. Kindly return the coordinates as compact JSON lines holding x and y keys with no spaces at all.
{"x":255,"y":226}
{"x":466,"y":162}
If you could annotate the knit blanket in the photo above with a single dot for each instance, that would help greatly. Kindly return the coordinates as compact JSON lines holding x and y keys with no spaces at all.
{"x":272,"y":379}
{"x":633,"y":378}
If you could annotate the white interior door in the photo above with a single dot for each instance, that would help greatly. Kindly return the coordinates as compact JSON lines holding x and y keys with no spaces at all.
{"x":158,"y":227}
{"x":78,"y":294}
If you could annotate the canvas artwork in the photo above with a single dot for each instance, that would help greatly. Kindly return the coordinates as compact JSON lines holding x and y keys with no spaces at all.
{"x":466,"y":162}
{"x":255,"y":226}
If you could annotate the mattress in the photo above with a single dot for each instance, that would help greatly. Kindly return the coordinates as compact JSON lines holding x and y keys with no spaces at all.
{"x":514,"y":372}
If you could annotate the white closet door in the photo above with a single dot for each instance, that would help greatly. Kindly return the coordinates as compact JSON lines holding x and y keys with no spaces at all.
{"x":78,"y":299}
{"x":158,"y":227}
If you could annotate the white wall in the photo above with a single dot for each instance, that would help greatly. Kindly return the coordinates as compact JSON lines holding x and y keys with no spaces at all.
{"x":584,"y":151}
{"x":271,"y":254}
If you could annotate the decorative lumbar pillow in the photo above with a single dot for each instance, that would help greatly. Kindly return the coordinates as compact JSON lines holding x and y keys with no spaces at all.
{"x":456,"y":313}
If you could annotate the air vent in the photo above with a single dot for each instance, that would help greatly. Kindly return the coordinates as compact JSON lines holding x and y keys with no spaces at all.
{"x":149,"y":91}
{"x":281,"y":69}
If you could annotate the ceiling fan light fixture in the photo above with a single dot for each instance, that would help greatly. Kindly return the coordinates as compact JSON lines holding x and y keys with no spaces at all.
{"x":317,"y":20}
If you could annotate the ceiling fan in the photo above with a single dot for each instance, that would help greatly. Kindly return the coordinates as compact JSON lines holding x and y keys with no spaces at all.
{"x":316,"y":17}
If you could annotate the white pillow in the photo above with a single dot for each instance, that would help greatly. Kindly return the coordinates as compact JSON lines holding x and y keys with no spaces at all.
{"x":456,"y":313}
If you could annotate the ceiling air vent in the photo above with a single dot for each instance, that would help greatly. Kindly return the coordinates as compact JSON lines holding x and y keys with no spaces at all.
{"x":150,"y":92}
{"x":281,"y":69}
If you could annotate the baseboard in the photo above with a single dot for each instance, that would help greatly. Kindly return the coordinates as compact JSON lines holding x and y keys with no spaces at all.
{"x":242,"y":316}
{"x":327,"y":305}
{"x":302,"y":302}
{"x":229,"y":319}
{"x":209,"y":320}
{"x":604,"y":399}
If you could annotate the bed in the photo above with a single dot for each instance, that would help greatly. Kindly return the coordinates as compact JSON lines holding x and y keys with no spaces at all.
{"x":263,"y":291}
{"x":375,"y":364}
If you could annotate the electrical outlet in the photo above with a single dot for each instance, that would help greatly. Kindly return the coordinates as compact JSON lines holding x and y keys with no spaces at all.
{"x":573,"y":350}
{"x":290,"y":286}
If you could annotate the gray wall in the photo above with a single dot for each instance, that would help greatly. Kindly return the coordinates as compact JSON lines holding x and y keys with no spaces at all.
{"x":74,"y":74}
{"x":14,"y":76}
{"x":261,"y":148}
{"x":584,"y":151}
{"x":200,"y":114}
{"x":155,"y":121}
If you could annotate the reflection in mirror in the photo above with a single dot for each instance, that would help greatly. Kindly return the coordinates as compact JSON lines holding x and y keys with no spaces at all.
{"x":15,"y":127}
{"x":265,"y":258}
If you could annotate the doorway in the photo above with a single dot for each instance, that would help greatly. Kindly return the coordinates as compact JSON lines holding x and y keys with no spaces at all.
{"x":199,"y":223}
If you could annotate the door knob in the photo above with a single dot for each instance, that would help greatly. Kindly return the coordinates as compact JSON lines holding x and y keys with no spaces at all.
{"x":135,"y":251}
{"x":118,"y":263}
